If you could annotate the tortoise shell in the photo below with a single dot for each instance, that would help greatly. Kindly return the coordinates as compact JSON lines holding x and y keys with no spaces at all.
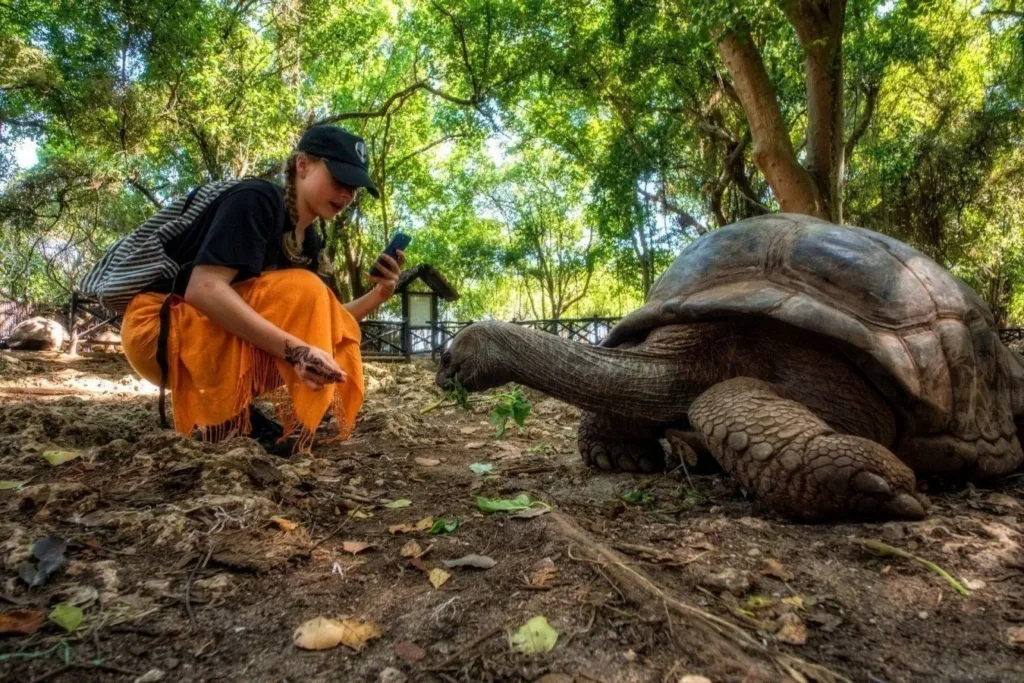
{"x":904,"y":317}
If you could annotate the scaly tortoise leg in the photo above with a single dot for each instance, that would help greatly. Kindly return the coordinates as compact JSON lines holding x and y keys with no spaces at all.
{"x":608,"y":444}
{"x":795,"y":462}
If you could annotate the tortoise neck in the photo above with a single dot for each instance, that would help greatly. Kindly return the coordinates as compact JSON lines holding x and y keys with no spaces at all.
{"x":629,"y":383}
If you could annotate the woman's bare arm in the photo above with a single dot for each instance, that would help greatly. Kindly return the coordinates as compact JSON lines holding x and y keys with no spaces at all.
{"x":210,"y":292}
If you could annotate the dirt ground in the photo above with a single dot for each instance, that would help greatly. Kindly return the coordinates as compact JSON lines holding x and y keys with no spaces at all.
{"x":182,"y":574}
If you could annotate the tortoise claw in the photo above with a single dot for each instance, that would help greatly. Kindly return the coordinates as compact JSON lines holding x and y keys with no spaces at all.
{"x":905,"y":505}
{"x":869,"y":482}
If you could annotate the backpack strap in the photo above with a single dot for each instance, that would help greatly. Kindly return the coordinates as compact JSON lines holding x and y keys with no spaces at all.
{"x":161,"y":356}
{"x":161,"y":340}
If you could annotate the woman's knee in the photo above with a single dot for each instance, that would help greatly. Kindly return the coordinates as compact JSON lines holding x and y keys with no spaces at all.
{"x":295,"y":284}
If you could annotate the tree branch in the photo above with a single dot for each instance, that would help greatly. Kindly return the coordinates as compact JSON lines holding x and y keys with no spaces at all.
{"x":148,"y":193}
{"x":871,"y":95}
{"x":400,"y":97}
{"x":686,"y":220}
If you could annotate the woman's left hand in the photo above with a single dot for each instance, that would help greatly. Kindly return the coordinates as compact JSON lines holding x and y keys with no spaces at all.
{"x":391,"y":270}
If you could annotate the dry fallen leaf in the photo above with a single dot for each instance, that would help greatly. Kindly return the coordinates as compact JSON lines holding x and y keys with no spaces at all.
{"x":427,"y":462}
{"x":438,"y":577}
{"x":410,"y":652}
{"x":355,"y":547}
{"x":421,"y":525}
{"x":1016,"y":635}
{"x":284,"y":524}
{"x":530,"y":513}
{"x":411,"y":549}
{"x":322,"y":634}
{"x":473,"y":445}
{"x":544,"y":571}
{"x":775,"y":568}
{"x":793,"y":630}
{"x":794,"y":601}
{"x":25,"y":621}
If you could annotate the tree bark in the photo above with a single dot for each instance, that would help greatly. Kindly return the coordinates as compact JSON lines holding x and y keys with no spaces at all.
{"x":794,"y":188}
{"x":819,"y":25}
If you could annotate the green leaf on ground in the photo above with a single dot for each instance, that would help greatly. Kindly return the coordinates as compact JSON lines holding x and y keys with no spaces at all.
{"x":639,"y":497}
{"x":59,"y":457}
{"x":443,"y":526}
{"x":520,"y":502}
{"x":481,"y":468}
{"x":67,"y":616}
{"x":534,"y":637}
{"x":8,"y":484}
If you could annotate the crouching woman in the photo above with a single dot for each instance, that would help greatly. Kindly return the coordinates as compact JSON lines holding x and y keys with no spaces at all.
{"x":255,"y":318}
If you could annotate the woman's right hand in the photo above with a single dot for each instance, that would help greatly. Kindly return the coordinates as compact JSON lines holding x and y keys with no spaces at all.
{"x":314,"y":366}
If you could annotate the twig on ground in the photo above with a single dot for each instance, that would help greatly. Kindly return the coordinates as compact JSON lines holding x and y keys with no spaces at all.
{"x":641,"y":590}
{"x":464,"y":651}
{"x":336,"y":529}
{"x":188,"y":589}
{"x":886,"y":550}
{"x":83,"y":665}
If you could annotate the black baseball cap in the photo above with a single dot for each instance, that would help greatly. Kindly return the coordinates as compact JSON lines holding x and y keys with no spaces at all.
{"x":343,"y":152}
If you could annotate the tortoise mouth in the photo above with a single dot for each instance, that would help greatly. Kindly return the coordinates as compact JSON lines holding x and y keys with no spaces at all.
{"x":449,"y":372}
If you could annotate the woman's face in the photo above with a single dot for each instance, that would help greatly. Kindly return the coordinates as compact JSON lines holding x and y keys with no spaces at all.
{"x":319,"y":191}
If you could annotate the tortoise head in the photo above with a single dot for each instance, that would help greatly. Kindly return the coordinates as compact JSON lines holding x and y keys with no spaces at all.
{"x":476,"y":359}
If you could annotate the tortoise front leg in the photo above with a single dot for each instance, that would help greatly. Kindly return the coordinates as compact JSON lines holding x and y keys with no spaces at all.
{"x":794,"y":461}
{"x":619,"y":445}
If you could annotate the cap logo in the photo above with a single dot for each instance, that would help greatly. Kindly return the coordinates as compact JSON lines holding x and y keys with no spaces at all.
{"x":361,"y":151}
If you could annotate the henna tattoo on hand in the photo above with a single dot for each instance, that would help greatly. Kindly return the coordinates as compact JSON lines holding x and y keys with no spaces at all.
{"x":304,"y":361}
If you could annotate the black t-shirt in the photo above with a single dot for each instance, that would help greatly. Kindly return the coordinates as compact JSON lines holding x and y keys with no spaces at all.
{"x":242,"y":229}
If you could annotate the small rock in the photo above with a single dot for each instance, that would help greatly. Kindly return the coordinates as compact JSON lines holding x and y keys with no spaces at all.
{"x":629,"y":655}
{"x":922,"y":615}
{"x":151,"y":676}
{"x":391,"y":675}
{"x":974,"y":584}
{"x":893,"y":531}
{"x":754,"y":523}
{"x":753,"y":552}
{"x":1003,"y":500}
{"x":217,"y":584}
{"x":730,"y":580}
{"x":694,"y":678}
{"x":172,"y":663}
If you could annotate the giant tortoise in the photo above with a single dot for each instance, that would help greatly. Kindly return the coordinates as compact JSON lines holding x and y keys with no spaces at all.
{"x":821,"y":365}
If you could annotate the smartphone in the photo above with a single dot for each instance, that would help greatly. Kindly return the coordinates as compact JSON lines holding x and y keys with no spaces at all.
{"x":399,"y":241}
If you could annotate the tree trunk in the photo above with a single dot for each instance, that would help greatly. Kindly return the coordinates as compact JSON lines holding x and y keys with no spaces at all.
{"x":817,"y":189}
{"x":819,"y":26}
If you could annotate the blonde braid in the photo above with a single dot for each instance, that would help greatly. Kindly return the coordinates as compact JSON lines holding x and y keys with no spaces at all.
{"x":289,"y":241}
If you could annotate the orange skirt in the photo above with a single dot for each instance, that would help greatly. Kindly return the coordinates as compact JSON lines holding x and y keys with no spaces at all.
{"x":213,"y":375}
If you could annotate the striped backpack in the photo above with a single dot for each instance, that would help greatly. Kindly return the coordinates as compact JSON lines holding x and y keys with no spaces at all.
{"x":139,"y":259}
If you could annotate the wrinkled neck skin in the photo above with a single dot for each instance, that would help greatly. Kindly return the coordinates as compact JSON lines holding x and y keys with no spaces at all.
{"x":629,"y":383}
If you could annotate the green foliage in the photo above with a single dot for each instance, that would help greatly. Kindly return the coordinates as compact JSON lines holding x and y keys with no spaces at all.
{"x":549,"y":158}
{"x":443,"y":526}
{"x":511,"y":405}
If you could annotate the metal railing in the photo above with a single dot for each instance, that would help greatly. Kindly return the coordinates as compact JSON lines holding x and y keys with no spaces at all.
{"x":394,"y":339}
